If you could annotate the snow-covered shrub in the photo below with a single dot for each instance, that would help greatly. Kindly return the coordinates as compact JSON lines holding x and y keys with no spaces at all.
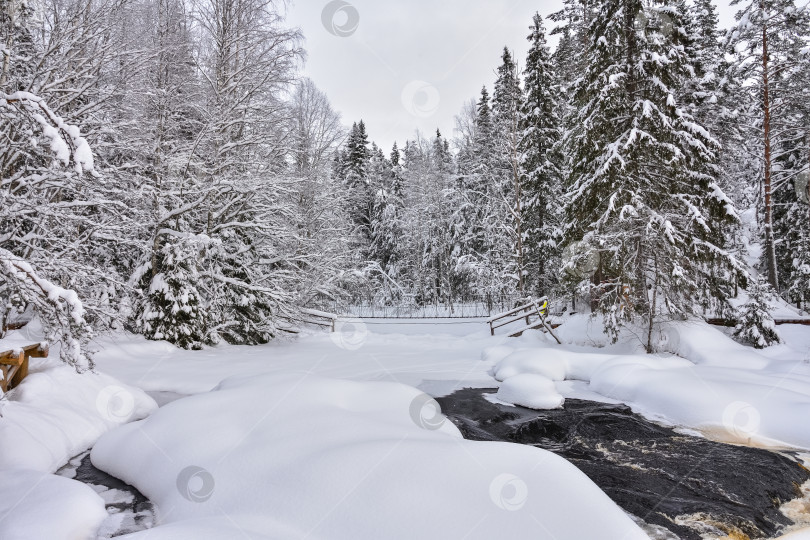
{"x":172,"y":307}
{"x":755,"y":325}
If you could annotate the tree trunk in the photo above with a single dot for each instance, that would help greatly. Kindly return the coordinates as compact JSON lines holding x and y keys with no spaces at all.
{"x":770,"y":248}
{"x":518,"y":208}
{"x":653,"y":307}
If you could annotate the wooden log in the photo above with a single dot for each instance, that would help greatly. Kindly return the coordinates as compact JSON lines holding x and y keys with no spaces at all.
{"x":20,"y":373}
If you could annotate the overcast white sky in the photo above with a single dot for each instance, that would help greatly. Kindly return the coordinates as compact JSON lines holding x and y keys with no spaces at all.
{"x":411,"y":64}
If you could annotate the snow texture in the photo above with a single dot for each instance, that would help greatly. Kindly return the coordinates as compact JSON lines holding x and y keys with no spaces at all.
{"x":56,"y":413}
{"x":344,"y":459}
{"x":36,"y":505}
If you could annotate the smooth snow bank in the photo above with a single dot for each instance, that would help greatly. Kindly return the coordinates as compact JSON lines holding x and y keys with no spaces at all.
{"x":727,"y":390}
{"x":40,"y":505}
{"x":532,"y":391}
{"x":297,"y":455}
{"x":56,"y":413}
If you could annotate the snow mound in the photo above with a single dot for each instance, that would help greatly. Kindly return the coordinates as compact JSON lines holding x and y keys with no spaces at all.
{"x":556,"y":363}
{"x":296,"y":455}
{"x":40,"y":505}
{"x":704,"y":344}
{"x":550,"y":363}
{"x":496,"y":353}
{"x":531,"y":390}
{"x":56,"y":413}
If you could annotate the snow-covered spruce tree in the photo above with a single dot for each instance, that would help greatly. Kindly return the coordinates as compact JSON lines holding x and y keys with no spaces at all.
{"x":768,"y":35}
{"x":472,"y":221}
{"x":484,"y":225}
{"x":427,"y":174}
{"x":360,"y":197}
{"x":250,"y":276}
{"x":755,"y":325}
{"x":167,"y":303}
{"x":572,"y":27}
{"x":175,"y":309}
{"x":384,"y":225}
{"x":642,"y":190}
{"x":541,"y":175}
{"x":509,"y":201}
{"x":705,"y":35}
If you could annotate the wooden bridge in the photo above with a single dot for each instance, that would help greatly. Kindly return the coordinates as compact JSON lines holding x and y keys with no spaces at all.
{"x":533,"y":309}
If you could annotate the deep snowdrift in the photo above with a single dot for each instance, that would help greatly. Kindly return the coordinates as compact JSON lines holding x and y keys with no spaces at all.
{"x":40,"y":505}
{"x":57,"y":413}
{"x":295,"y":455}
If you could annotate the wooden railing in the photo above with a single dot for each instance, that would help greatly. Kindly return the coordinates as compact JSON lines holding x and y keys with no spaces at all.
{"x":534,"y":308}
{"x":14,"y":364}
{"x":319,"y":318}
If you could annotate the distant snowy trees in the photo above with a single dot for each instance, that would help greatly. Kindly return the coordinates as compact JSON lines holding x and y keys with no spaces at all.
{"x":614,"y":167}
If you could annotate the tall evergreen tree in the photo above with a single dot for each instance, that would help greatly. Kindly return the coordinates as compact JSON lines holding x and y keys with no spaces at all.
{"x":507,"y":201}
{"x":355,"y":166}
{"x":642,"y":191}
{"x":540,"y":181}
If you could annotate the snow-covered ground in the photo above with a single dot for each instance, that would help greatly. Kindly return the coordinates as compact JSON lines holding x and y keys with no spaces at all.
{"x":337,"y":436}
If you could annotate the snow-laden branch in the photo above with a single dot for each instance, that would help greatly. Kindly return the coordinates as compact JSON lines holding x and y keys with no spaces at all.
{"x":66,"y":141}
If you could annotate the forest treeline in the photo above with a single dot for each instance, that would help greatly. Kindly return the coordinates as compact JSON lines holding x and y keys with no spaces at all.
{"x":627,"y":167}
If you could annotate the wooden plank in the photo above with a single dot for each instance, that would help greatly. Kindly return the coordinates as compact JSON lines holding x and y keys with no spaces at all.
{"x":510,"y":312}
{"x":14,"y":364}
{"x":324,"y":324}
{"x":319,"y":314}
{"x":37,"y":350}
{"x":805,"y":322}
{"x":533,"y":326}
{"x":514,"y":319}
{"x":12,"y":357}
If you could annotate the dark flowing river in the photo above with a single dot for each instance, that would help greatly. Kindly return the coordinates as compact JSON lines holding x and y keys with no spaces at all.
{"x":681,"y":486}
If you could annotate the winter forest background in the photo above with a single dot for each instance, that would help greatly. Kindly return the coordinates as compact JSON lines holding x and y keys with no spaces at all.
{"x":628,"y":171}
